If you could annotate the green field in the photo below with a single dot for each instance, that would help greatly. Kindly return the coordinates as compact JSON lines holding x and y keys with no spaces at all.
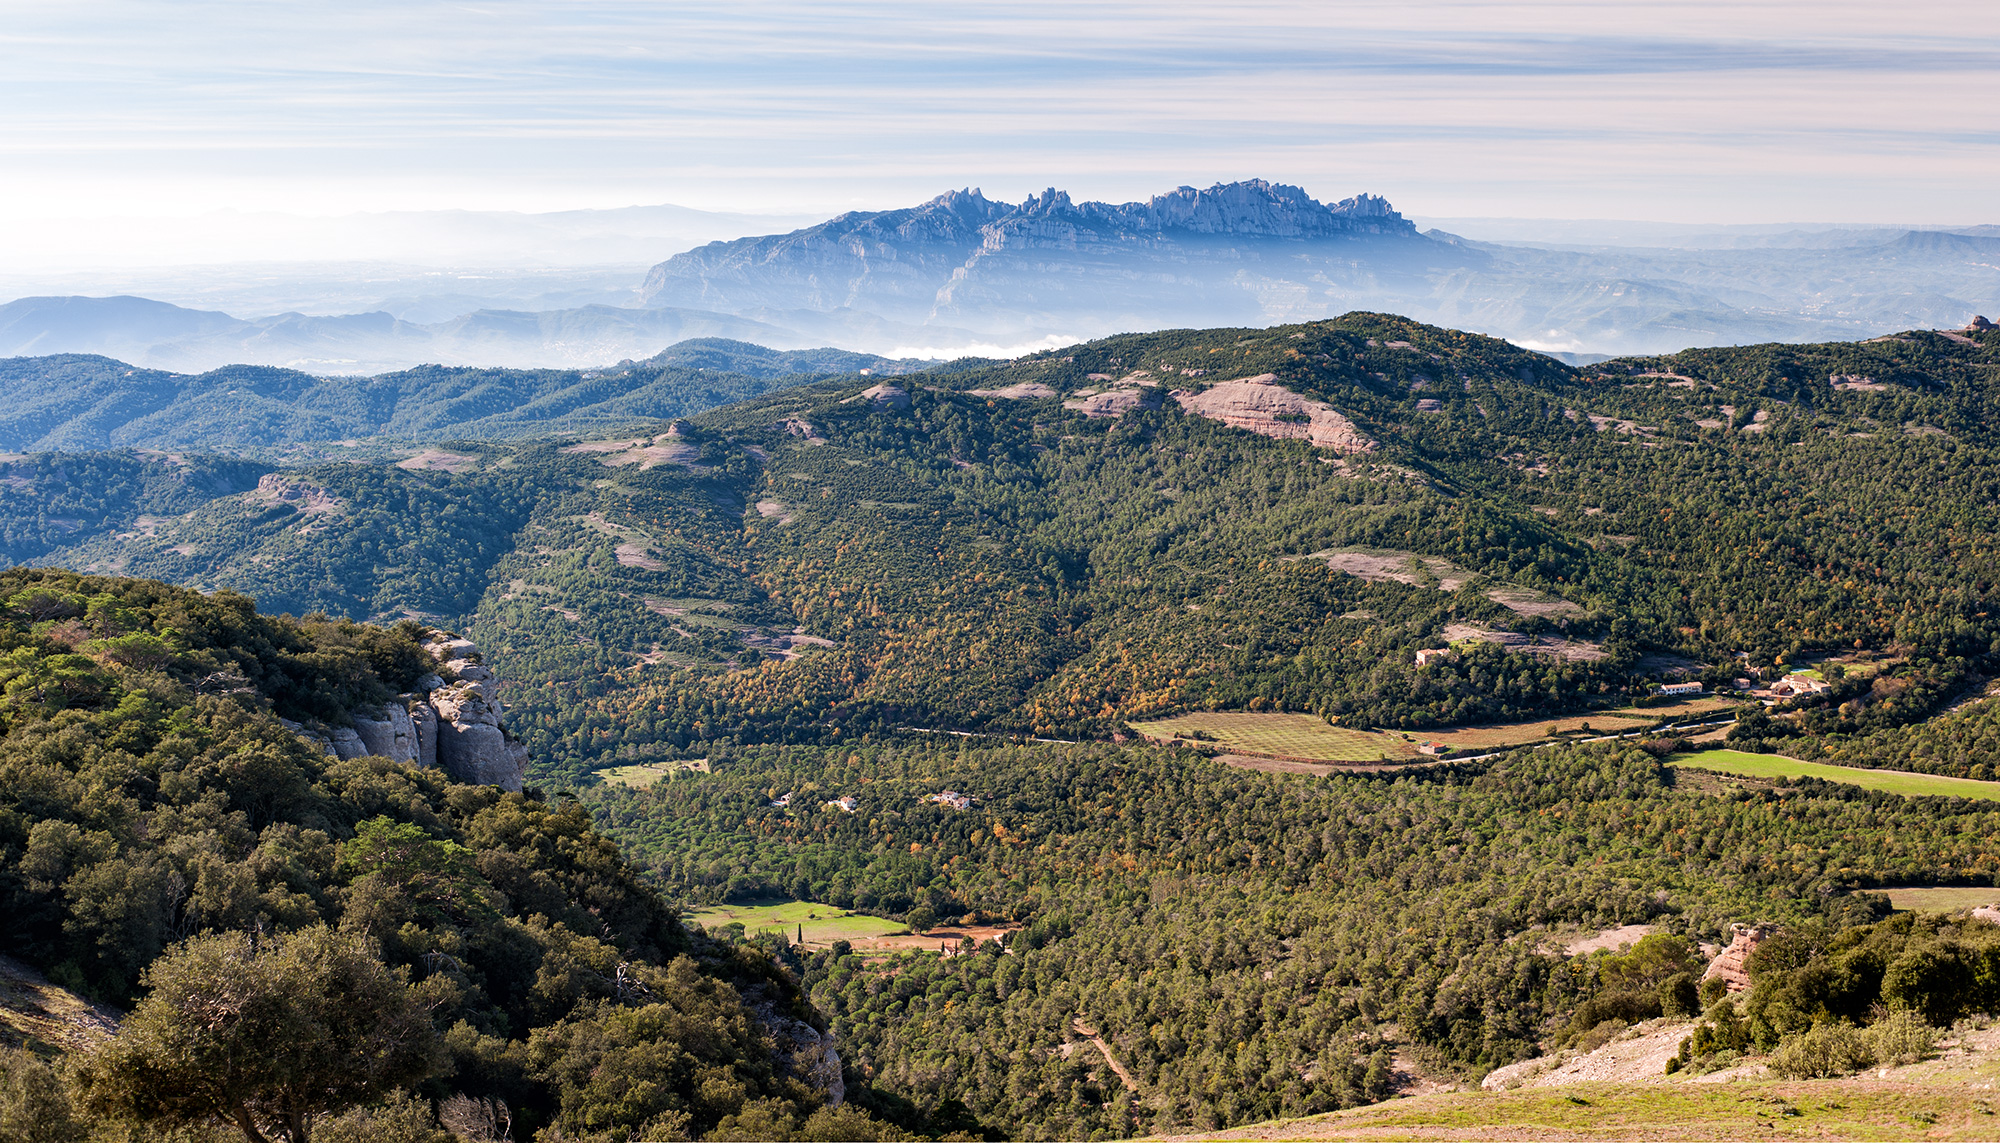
{"x":823,"y":924}
{"x":1891,"y":781}
{"x":1943,"y":898}
{"x":1309,"y":737}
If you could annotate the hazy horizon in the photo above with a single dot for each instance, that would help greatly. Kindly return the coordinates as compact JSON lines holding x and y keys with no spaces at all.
{"x":432,"y":160}
{"x":1684,"y":111}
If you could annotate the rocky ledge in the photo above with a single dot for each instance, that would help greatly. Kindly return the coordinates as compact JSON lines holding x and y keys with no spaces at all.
{"x":456,"y":725}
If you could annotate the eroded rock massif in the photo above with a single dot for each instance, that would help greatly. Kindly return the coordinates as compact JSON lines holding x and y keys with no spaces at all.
{"x":456,"y":725}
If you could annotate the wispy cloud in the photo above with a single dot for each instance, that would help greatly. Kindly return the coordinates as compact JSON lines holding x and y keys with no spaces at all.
{"x":1806,"y":109}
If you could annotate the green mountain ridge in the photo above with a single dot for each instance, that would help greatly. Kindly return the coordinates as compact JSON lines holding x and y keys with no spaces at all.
{"x":73,"y":402}
{"x":814,"y":562}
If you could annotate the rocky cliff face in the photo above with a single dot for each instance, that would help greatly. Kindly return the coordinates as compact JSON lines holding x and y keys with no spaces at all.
{"x":456,"y":725}
{"x":980,"y":264}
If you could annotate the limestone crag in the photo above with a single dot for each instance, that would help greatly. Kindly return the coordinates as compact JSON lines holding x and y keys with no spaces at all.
{"x":471,"y":744}
{"x":393,"y":736}
{"x":456,"y":725}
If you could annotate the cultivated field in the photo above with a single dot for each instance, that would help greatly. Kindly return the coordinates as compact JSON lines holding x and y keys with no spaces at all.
{"x":647,"y":773}
{"x":1943,"y":898}
{"x":1290,"y":735}
{"x":824,"y":924}
{"x":1891,"y":781}
{"x":1308,"y":736}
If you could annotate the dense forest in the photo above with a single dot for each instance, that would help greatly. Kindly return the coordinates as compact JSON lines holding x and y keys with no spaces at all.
{"x":1248,"y":943}
{"x":76,"y":402}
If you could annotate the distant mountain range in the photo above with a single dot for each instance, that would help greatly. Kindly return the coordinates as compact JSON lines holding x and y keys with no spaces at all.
{"x":1053,"y":264}
{"x":966,"y":274}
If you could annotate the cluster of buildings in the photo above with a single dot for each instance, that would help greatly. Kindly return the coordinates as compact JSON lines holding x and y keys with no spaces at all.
{"x":845,"y":802}
{"x":952,"y":798}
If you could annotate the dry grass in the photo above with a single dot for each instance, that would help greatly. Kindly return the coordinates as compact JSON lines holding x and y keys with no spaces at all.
{"x":1943,"y":898}
{"x":1308,"y":738}
{"x":1290,"y":735}
{"x":1824,"y":1109}
{"x":645,"y":774}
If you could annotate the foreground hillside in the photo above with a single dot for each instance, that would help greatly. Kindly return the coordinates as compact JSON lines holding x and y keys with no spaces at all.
{"x":1820,"y":1109}
{"x":166,"y":832}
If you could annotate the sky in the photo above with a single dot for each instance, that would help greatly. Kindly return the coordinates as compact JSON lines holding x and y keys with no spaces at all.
{"x":1821,"y":111}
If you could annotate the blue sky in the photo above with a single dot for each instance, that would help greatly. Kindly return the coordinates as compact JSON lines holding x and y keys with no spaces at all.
{"x":1677,"y":111}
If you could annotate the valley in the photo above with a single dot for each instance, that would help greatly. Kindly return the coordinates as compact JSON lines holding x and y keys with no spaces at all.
{"x":1013,"y":657}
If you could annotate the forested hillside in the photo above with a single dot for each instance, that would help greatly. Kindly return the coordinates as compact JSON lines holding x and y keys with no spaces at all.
{"x":990,"y":550}
{"x":166,"y":836}
{"x":77,"y":402}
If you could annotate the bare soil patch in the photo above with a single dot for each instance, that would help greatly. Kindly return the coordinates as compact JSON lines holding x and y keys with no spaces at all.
{"x":1640,"y":1055}
{"x":34,"y":1012}
{"x":642,"y":451}
{"x":883,"y":396}
{"x":1114,"y":404}
{"x":1610,"y":940}
{"x":634,"y":554}
{"x":1575,"y":650}
{"x":1380,"y":564}
{"x":1019,"y":391}
{"x":1524,"y":601}
{"x":438,"y":460}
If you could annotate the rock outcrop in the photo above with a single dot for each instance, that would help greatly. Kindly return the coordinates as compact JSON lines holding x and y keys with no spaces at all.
{"x":471,"y":744}
{"x":455,"y":725}
{"x":1728,"y":964}
{"x":883,"y":396}
{"x":1263,"y":406}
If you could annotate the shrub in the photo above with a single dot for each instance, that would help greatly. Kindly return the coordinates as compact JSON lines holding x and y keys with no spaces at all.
{"x":1826,"y":1050}
{"x":1678,"y":996}
{"x":1901,"y":1038}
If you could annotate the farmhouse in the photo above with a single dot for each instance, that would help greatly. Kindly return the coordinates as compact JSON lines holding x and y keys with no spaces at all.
{"x":1670,"y":689}
{"x":1799,"y":684}
{"x":1425,"y":658}
{"x":952,"y":798}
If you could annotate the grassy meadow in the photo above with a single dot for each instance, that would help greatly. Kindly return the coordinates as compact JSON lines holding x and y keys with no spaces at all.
{"x":1943,"y":898}
{"x":646,"y":773}
{"x":1891,"y":781}
{"x":823,"y":924}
